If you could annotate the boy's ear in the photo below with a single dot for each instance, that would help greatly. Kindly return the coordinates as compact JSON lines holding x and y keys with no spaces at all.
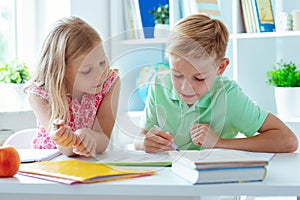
{"x":223,"y":65}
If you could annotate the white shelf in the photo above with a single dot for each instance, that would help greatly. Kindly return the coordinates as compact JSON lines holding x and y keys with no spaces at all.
{"x":289,"y":119}
{"x":231,"y":36}
{"x":268,"y":35}
{"x":144,"y":41}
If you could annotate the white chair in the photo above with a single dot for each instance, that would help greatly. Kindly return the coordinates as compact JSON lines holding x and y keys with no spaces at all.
{"x":21,"y":139}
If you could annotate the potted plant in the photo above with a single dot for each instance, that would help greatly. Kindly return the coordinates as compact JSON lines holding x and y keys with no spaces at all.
{"x":286,"y":79}
{"x":13,"y":76}
{"x":161,"y":20}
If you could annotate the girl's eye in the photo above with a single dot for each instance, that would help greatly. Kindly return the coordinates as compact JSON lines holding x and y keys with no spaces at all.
{"x":86,"y":71}
{"x":102,"y":63}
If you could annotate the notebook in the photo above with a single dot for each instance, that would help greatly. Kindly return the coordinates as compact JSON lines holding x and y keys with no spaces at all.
{"x":77,"y":171}
{"x":37,"y":155}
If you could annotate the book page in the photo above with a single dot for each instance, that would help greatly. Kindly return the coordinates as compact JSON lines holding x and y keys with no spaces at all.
{"x":138,"y":158}
{"x":221,"y":156}
{"x":260,"y":155}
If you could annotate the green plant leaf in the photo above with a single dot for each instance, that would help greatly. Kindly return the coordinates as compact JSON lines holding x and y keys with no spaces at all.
{"x":14,"y":72}
{"x":161,"y":14}
{"x":284,"y":75}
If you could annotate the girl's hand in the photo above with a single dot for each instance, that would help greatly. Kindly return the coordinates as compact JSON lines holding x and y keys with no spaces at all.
{"x":203,"y":135}
{"x":157,"y":140}
{"x":62,"y":134}
{"x":87,"y":143}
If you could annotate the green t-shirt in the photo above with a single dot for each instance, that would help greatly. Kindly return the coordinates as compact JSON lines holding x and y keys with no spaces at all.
{"x":225,"y":108}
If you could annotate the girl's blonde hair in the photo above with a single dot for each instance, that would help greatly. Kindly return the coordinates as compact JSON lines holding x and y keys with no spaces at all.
{"x":197,"y":36}
{"x":69,"y":39}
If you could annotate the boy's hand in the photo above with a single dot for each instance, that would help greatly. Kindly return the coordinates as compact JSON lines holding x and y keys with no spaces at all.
{"x":62,"y":134}
{"x":87,"y":143}
{"x":203,"y":135}
{"x":157,"y":140}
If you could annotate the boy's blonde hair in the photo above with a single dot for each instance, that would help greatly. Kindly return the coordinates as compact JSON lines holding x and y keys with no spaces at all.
{"x":69,"y":39}
{"x":198,"y":35}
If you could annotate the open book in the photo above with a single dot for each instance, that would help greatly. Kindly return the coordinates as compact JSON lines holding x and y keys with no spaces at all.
{"x":135,"y":158}
{"x":77,"y":171}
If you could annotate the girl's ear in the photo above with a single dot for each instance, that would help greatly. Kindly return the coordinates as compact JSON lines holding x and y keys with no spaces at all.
{"x":222,"y":66}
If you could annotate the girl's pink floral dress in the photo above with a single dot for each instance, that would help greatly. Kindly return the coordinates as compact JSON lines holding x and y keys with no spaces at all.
{"x":81,"y":115}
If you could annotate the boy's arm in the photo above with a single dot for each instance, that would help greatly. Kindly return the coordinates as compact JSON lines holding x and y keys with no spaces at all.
{"x":274,"y":136}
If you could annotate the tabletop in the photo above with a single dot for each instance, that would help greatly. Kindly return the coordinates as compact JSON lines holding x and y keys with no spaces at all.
{"x":282,"y":179}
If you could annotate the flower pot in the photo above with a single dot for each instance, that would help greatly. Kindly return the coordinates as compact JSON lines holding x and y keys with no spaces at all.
{"x":12,"y":97}
{"x":161,"y":30}
{"x":288,"y":101}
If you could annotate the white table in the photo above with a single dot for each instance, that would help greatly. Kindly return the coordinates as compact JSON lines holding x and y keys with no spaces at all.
{"x":283,"y":179}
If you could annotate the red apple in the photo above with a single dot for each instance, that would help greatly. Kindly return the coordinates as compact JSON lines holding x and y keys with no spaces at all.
{"x":9,"y":161}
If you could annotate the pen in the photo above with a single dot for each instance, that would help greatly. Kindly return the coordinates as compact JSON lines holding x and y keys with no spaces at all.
{"x":29,"y":161}
{"x":173,"y":145}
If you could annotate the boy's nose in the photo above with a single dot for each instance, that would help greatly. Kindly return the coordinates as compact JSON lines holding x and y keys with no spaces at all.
{"x":185,"y":86}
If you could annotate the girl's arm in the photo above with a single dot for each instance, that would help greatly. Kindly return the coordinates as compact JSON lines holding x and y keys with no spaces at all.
{"x":139,"y":140}
{"x":274,"y":136}
{"x":42,"y":112}
{"x":106,"y":117}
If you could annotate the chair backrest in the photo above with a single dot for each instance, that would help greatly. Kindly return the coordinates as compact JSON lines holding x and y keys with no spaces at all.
{"x":21,"y":139}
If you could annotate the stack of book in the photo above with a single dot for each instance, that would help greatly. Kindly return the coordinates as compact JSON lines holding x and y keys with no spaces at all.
{"x":139,"y":21}
{"x":218,"y":166}
{"x":258,"y":16}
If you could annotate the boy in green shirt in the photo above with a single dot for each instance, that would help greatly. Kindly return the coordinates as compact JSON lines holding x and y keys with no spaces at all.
{"x":195,"y":107}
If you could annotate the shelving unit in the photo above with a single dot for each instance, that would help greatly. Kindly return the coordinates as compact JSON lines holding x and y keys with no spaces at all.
{"x":251,"y":55}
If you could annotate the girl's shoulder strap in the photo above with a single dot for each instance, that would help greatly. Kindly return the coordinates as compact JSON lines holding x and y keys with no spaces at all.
{"x":37,"y":90}
{"x":113,"y":75}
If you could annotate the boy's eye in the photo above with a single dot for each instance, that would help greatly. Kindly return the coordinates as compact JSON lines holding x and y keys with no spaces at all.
{"x":199,"y":79}
{"x":177,"y":75}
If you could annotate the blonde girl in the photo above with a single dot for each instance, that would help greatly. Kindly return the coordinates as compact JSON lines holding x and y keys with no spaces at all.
{"x":73,"y":93}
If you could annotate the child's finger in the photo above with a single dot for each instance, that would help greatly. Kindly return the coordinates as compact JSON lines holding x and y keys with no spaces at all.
{"x":76,"y":140}
{"x":166,"y":136}
{"x":159,"y":140}
{"x":57,"y":123}
{"x":160,"y":133}
{"x":156,"y":147}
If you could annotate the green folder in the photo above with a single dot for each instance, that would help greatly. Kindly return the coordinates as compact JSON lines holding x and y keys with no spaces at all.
{"x":144,"y":164}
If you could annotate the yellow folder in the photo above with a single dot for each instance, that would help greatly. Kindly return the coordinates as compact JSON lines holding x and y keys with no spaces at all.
{"x":77,"y":171}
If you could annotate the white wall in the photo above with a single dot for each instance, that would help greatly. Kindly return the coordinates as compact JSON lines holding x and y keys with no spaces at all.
{"x":97,"y":14}
{"x":94,"y":12}
{"x":34,"y":18}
